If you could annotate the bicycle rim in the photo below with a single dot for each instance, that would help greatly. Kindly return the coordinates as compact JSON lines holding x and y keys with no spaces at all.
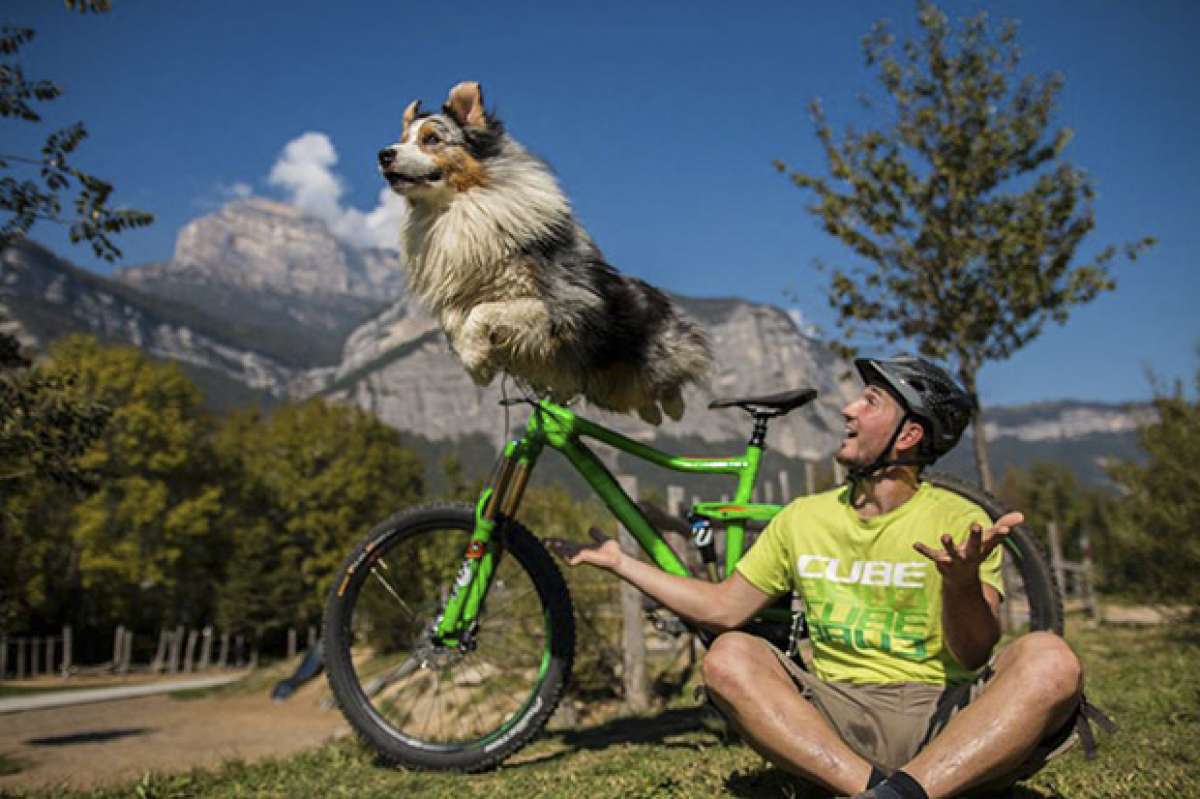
{"x":441,"y":699}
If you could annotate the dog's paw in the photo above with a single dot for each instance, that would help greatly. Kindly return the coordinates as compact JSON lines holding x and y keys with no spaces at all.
{"x":672,"y":404}
{"x":479,"y":366}
{"x":482,"y":374}
{"x":650,"y":414}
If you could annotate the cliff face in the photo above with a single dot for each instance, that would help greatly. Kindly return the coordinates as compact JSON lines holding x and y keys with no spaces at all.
{"x":399,"y":366}
{"x":47,"y":297}
{"x":265,"y":264}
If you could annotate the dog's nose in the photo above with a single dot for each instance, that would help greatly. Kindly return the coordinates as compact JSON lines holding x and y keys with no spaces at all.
{"x":386,"y":156}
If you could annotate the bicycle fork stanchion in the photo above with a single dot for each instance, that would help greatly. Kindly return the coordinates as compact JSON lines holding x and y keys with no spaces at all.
{"x":480,"y":559}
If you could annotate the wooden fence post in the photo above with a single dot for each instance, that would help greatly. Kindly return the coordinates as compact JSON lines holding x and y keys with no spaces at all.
{"x":35,"y":645}
{"x":176,"y":650}
{"x":810,"y":477}
{"x":20,"y":658}
{"x":768,"y":492}
{"x":637,"y":694}
{"x":1056,"y":558}
{"x":127,"y":651}
{"x":50,"y":655}
{"x":160,"y":652}
{"x":1093,"y":605}
{"x":839,"y":473}
{"x":785,"y":487}
{"x":239,"y":651}
{"x":312,"y":638}
{"x":223,"y":661}
{"x":189,"y":658}
{"x":118,"y":646}
{"x":291,"y":642}
{"x":3,"y":656}
{"x":206,"y":641}
{"x":67,"y":651}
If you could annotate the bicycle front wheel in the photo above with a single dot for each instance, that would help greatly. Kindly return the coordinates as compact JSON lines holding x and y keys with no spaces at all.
{"x":429,"y":705}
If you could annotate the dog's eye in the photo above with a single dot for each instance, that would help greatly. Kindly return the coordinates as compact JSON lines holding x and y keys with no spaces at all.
{"x":431,"y":138}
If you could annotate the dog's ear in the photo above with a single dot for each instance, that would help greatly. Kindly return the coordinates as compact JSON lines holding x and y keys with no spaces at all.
{"x":465,"y":104}
{"x":410,"y":114}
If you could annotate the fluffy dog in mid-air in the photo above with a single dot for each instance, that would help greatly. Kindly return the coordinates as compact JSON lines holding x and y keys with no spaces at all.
{"x":495,"y":252}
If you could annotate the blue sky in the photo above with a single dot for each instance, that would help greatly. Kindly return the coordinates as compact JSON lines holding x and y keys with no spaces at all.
{"x":661,"y":119}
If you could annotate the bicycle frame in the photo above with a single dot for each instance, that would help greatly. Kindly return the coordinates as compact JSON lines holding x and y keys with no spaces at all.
{"x":559,"y":428}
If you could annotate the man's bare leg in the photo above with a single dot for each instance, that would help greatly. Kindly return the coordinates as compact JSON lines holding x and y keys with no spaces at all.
{"x":1037,"y":685}
{"x":753,"y":689}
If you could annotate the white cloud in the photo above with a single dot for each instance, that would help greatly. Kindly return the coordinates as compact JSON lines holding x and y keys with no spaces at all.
{"x":240,"y":190}
{"x":802,"y":324}
{"x":304,"y":171}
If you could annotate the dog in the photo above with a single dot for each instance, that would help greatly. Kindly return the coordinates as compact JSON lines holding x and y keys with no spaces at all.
{"x":495,"y":252}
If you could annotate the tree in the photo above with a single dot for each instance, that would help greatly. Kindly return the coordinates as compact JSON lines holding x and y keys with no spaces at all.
{"x":44,"y":429}
{"x":25,"y":200}
{"x":314,"y":479}
{"x":1154,"y":551}
{"x":962,"y":214}
{"x":150,"y":539}
{"x":139,"y":544}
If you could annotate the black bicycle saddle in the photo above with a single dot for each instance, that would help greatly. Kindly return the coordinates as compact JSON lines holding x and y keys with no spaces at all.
{"x":769,"y":404}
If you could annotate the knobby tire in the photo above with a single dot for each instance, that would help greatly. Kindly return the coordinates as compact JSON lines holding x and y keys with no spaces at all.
{"x":408,"y":738}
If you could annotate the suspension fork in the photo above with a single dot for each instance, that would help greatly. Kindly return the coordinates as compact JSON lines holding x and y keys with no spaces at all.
{"x":497,"y":504}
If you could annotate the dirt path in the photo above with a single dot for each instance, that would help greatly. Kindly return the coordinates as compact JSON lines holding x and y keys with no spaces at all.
{"x":111,"y":742}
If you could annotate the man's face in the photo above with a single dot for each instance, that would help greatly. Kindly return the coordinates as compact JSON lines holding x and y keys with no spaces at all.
{"x":870,"y":422}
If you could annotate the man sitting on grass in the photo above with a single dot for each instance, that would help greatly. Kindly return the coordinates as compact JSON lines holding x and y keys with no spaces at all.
{"x":905,"y":698}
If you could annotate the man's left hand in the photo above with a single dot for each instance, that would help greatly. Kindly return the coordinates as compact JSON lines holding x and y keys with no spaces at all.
{"x":959,"y":564}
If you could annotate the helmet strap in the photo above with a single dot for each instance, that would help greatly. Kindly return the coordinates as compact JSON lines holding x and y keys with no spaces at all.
{"x":857,"y":474}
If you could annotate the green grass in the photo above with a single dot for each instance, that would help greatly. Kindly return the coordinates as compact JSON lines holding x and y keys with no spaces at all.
{"x":1146,"y":679}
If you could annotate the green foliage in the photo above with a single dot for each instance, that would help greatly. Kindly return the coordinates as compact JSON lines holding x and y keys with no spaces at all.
{"x":144,"y":540}
{"x":1155,"y":539}
{"x":964,"y":217}
{"x":312,"y":480}
{"x":1050,"y":492}
{"x":192,"y":520}
{"x":44,"y":424}
{"x":25,"y":200}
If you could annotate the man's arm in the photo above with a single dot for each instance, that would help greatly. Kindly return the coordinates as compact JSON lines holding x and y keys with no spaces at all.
{"x":716,"y":606}
{"x":970,"y":608}
{"x":971,"y":621}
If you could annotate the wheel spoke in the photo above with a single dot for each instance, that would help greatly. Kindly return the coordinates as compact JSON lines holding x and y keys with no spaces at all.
{"x":388,"y":586}
{"x":424,"y":703}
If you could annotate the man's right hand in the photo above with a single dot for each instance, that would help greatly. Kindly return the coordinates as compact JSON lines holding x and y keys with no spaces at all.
{"x":605,"y":553}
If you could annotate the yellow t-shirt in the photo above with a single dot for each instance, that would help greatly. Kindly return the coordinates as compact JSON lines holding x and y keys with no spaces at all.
{"x":873,"y":603}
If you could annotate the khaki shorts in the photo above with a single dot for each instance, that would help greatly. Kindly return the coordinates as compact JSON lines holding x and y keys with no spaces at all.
{"x":889,"y":724}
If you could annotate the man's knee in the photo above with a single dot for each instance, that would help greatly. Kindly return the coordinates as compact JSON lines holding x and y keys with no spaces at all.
{"x":1046,"y":663}
{"x":733,"y":662}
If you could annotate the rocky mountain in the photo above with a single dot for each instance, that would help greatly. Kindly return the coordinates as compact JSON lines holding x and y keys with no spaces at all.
{"x":46,"y":297}
{"x":283,"y":276}
{"x":399,"y":366}
{"x":262,"y":304}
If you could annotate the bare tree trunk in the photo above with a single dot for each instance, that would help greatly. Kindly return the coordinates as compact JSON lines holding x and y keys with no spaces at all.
{"x":982,"y":465}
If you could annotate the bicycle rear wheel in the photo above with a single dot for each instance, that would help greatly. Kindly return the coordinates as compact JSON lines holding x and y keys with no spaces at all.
{"x":1031,"y":595}
{"x":426,"y":705}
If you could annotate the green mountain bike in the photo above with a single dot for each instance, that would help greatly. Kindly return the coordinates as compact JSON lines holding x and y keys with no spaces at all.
{"x":450,"y":634}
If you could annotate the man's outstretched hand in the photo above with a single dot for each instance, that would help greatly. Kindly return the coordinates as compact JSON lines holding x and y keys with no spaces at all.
{"x":605,"y":553}
{"x":959,"y":564}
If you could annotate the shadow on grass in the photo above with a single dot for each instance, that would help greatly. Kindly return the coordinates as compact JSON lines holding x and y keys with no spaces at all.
{"x":627,"y":730}
{"x":771,"y":782}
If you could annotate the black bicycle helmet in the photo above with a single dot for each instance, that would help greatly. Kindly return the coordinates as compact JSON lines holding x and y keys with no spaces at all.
{"x":928,"y":394}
